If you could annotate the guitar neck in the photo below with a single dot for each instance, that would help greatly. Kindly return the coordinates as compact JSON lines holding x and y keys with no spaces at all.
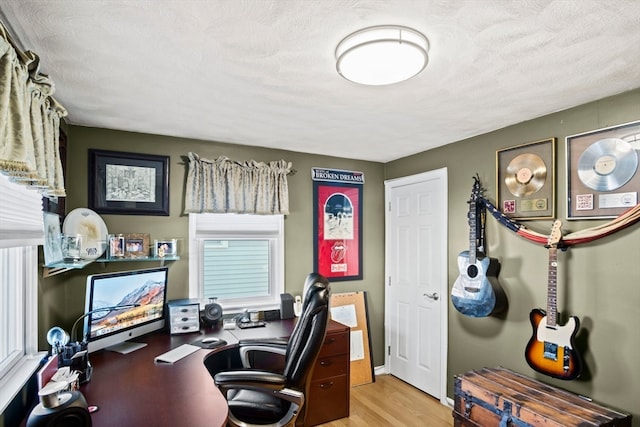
{"x":552,"y":288}
{"x":473,"y":236}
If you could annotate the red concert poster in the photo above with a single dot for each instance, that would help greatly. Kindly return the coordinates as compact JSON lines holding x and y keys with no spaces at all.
{"x":338,"y":224}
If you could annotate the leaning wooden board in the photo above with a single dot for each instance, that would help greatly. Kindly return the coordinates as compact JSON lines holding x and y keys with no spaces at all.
{"x":500,"y":397}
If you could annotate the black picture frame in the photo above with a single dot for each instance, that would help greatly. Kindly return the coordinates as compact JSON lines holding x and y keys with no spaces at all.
{"x":123,"y":183}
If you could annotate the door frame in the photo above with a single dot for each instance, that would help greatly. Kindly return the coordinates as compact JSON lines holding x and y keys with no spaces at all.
{"x":442,"y":175}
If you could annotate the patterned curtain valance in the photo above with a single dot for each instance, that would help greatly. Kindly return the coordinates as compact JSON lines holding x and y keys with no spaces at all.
{"x":226,"y":186}
{"x":29,"y":121}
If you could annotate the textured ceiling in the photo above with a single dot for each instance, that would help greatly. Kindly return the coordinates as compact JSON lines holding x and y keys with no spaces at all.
{"x":262,"y":72}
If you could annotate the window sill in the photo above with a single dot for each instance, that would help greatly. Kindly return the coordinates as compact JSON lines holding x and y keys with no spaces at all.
{"x":17,"y":378}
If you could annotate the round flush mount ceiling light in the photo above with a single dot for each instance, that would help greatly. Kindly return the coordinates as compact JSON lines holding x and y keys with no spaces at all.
{"x":382,"y":55}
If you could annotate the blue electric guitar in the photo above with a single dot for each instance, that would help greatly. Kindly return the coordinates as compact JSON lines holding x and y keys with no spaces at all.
{"x":476,"y":291}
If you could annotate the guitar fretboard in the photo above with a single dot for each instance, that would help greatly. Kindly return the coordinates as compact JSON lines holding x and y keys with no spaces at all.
{"x":552,"y":288}
{"x":472,"y":232}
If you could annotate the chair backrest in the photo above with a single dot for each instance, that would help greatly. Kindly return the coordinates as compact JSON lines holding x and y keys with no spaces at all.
{"x":309,"y":333}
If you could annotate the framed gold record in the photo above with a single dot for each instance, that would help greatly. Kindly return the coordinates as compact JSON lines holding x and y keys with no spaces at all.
{"x":603,"y":179}
{"x":525,"y":180}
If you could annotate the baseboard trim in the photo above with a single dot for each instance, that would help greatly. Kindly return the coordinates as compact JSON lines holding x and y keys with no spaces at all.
{"x":382,"y":370}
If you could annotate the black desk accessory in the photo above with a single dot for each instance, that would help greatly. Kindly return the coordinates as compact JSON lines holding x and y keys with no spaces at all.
{"x":76,"y":354}
{"x":205,"y":342}
{"x":248,"y":325}
{"x":286,"y":306}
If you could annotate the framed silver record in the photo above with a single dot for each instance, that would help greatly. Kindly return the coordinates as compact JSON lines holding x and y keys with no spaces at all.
{"x":602,"y":171}
{"x":525,"y":180}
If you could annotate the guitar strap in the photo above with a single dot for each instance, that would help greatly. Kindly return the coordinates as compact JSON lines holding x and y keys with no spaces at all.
{"x":480,"y":224}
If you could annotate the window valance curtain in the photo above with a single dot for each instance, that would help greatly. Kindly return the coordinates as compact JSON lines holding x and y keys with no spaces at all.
{"x":29,"y":121}
{"x":226,"y":186}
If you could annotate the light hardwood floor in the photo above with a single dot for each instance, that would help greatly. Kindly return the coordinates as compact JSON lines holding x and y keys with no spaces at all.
{"x":392,"y":402}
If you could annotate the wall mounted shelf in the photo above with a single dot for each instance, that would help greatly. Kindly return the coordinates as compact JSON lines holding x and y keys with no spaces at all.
{"x":61,"y":267}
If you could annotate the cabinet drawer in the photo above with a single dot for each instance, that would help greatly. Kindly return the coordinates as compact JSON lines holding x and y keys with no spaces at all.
{"x":334,"y":344}
{"x":192,"y":310}
{"x":331,"y":366}
{"x":184,"y":327}
{"x":331,"y":396}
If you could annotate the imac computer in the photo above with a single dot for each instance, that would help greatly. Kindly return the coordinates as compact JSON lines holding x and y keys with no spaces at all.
{"x":122,"y":306}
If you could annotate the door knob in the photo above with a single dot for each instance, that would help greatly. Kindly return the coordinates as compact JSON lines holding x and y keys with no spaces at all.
{"x":434,"y":296}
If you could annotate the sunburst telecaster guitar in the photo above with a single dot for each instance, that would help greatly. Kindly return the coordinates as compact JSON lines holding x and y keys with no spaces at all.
{"x":551,"y":349}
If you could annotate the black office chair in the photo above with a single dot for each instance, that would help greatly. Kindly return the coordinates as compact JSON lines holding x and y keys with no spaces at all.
{"x":260,"y":397}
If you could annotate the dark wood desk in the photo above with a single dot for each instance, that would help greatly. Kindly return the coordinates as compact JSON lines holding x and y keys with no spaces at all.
{"x":132,"y":390}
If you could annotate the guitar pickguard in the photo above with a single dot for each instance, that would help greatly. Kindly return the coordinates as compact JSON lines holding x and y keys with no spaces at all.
{"x":560,"y":335}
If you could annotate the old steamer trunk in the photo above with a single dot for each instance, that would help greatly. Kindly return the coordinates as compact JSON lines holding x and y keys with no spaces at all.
{"x":500,"y":397}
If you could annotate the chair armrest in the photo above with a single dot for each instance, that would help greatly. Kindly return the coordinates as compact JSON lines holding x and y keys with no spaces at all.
{"x":261,"y":381}
{"x":250,"y":377}
{"x":269,"y":342}
{"x":246,"y":347}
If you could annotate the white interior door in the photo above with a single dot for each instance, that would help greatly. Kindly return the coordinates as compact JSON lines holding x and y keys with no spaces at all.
{"x":416,"y":273}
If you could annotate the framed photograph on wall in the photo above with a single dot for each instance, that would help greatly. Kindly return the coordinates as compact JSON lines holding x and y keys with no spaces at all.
{"x":602,"y":171}
{"x":128,"y":183}
{"x":337,"y":223}
{"x":525,"y":180}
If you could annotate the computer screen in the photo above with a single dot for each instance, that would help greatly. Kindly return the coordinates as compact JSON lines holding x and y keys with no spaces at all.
{"x":124,"y":305}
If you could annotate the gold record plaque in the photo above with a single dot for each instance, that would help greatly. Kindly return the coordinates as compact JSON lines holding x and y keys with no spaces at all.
{"x":602,"y":171}
{"x":525,"y":180}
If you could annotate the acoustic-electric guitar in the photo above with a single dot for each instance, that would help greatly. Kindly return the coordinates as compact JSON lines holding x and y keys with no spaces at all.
{"x":476,"y":291}
{"x":551,"y":349}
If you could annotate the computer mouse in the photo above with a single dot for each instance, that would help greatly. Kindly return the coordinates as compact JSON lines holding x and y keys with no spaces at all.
{"x":210,"y":340}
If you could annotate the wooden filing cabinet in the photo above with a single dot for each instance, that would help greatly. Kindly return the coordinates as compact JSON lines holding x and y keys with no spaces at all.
{"x":329,"y":393}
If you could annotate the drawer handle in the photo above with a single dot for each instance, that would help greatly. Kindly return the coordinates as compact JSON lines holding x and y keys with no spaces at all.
{"x":329,"y":341}
{"x":327,"y":385}
{"x":184,"y":310}
{"x":184,"y":319}
{"x":325,"y":363}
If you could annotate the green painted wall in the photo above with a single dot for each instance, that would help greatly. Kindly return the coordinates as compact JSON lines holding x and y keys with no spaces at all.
{"x":62,"y":296}
{"x":598,"y":282}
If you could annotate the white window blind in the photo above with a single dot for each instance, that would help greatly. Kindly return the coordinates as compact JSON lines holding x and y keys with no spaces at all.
{"x":236,"y":268}
{"x":21,"y":221}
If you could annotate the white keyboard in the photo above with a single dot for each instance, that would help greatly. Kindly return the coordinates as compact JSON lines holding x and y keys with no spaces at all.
{"x":176,"y":354}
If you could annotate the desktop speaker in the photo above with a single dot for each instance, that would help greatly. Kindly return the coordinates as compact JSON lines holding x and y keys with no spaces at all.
{"x":286,"y":306}
{"x":72,"y":411}
{"x":212,"y":314}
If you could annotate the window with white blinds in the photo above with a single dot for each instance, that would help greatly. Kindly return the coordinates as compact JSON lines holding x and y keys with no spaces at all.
{"x":21,"y":231}
{"x":239,"y":261}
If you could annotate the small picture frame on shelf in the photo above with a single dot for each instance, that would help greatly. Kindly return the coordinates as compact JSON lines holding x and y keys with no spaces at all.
{"x":136,"y":245}
{"x":53,"y":239}
{"x":116,"y":246}
{"x":165,"y":248}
